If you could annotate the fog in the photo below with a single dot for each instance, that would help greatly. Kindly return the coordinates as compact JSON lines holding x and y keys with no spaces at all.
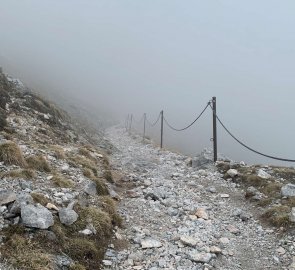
{"x":122,"y":57}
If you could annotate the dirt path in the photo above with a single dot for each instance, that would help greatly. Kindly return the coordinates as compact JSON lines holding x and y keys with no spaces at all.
{"x":178,"y":217}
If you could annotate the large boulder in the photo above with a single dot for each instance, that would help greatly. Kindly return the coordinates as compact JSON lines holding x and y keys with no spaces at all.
{"x":7,"y":196}
{"x":67,"y":216}
{"x":90,"y":188}
{"x":36,"y":216}
{"x":288,"y":190}
{"x":21,"y":199}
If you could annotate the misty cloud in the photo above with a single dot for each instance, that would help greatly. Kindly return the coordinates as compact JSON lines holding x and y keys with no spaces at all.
{"x":128,"y":56}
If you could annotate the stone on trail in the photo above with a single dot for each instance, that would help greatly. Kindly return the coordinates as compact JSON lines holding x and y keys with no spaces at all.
{"x":201,"y":213}
{"x":215,"y":250}
{"x":233,"y":229}
{"x":232,"y":173}
{"x":36,"y":216}
{"x":150,"y":243}
{"x":188,"y":240}
{"x":196,"y":256}
{"x":263,"y":174}
{"x":51,"y":206}
{"x":288,"y":190}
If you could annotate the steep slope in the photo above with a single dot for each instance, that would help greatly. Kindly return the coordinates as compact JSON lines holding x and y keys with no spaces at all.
{"x":57,"y":204}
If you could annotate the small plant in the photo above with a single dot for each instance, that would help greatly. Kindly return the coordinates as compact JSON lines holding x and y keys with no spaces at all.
{"x":88,"y":173}
{"x":24,"y":254}
{"x":109,"y":206}
{"x":253,"y":180}
{"x":99,"y":219}
{"x":84,"y":162}
{"x":40,"y":198}
{"x":11,"y":154}
{"x":108,"y":176}
{"x":24,"y":173}
{"x":278,"y":215}
{"x":59,"y":152}
{"x":101,"y":187}
{"x":38,"y":163}
{"x":3,"y":122}
{"x":62,"y":182}
{"x":77,"y":266}
{"x":86,"y":153}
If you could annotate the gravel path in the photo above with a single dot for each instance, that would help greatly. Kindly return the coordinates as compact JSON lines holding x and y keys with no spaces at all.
{"x":178,"y":217}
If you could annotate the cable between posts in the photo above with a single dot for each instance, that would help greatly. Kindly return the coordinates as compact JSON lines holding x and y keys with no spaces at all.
{"x":248,"y":147}
{"x":153,"y":124}
{"x":141,"y":119}
{"x":182,"y":129}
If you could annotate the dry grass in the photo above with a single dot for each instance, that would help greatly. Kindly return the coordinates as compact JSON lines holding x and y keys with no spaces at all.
{"x":25,"y":254}
{"x":278,"y":215}
{"x":86,"y":153}
{"x":253,"y":180}
{"x":272,"y":189}
{"x":77,"y":267}
{"x":3,"y":122}
{"x":40,"y":198}
{"x":100,"y":220}
{"x":223,"y":167}
{"x":61,"y":181}
{"x":11,"y":154}
{"x":88,"y":173}
{"x":285,"y":172}
{"x":38,"y":163}
{"x":27,"y":174}
{"x":59,"y":152}
{"x":84,"y":162}
{"x":101,"y":187}
{"x":110,"y":206}
{"x":108,"y":176}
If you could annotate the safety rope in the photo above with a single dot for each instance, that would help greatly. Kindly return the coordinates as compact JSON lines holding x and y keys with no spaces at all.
{"x":153,"y":124}
{"x":181,"y":129}
{"x":248,"y":147}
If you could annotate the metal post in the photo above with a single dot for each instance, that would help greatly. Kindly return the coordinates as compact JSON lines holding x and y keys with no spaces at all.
{"x":127,"y":123}
{"x":130,"y":126}
{"x":144,"y":119}
{"x":162,"y":122}
{"x":214,"y":129}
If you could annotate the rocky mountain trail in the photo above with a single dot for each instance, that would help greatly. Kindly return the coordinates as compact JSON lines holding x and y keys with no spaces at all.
{"x":183,"y":213}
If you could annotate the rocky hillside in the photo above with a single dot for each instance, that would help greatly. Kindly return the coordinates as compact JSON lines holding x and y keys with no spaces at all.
{"x":57,"y":203}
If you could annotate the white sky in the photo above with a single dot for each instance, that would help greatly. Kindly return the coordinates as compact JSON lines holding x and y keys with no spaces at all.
{"x":144,"y":56}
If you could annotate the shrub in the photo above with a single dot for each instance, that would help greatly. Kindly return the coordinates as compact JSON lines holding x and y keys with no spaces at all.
{"x":24,"y":254}
{"x":38,"y":163}
{"x":40,"y":198}
{"x":278,"y":215}
{"x":101,"y":187}
{"x":24,"y":173}
{"x":11,"y":154}
{"x":62,"y":182}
